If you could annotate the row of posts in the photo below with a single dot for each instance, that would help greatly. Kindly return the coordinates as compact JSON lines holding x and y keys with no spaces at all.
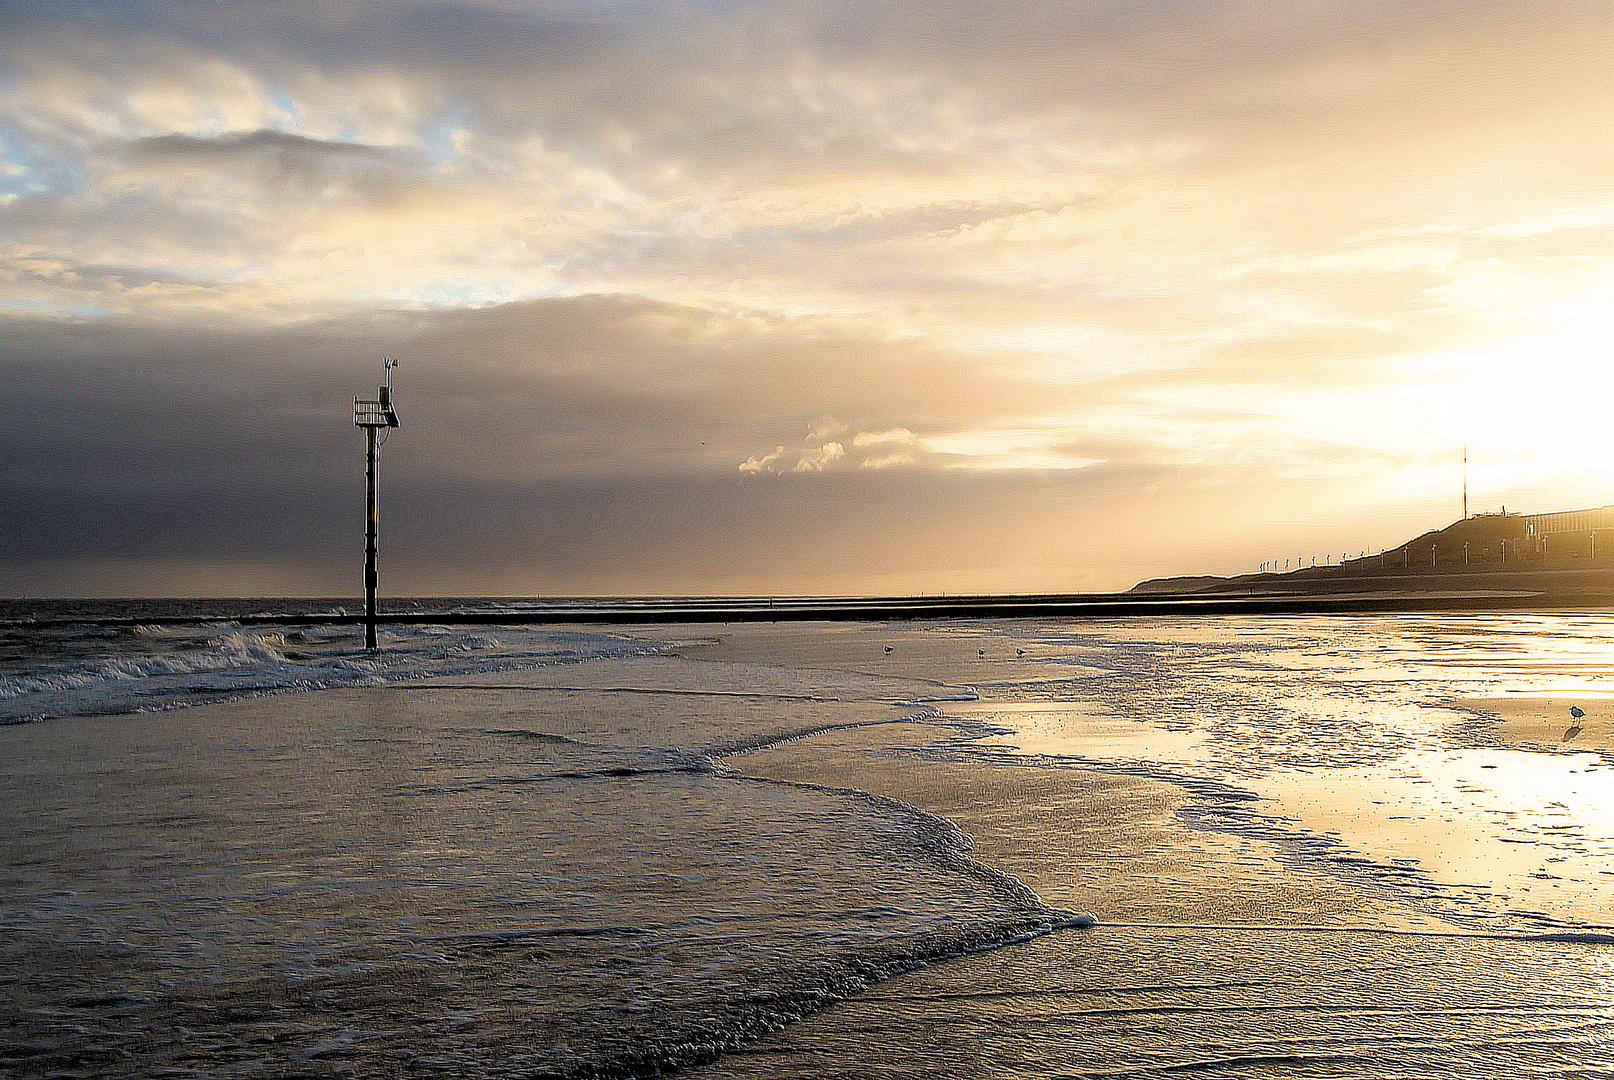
{"x":1299,"y":564}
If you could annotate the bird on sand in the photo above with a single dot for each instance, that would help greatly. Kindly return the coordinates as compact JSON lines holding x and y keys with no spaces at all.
{"x":980,"y":652}
{"x":1019,"y":652}
{"x":1576,"y":711}
{"x":888,"y":648}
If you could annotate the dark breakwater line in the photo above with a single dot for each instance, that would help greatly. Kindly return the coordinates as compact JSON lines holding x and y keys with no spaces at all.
{"x":880,"y":609}
{"x":1120,"y":606}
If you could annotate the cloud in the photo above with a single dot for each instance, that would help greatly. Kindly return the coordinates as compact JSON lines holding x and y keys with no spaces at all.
{"x":819,"y":458}
{"x":893,"y":437}
{"x":801,"y":250}
{"x":825,"y":448}
{"x":814,"y":162}
{"x":762,"y":463}
{"x":817,"y":452}
{"x":278,"y":158}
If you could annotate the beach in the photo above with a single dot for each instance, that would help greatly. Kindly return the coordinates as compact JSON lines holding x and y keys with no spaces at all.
{"x":1213,"y":956}
{"x":1545,"y":723}
{"x":1235,"y":847}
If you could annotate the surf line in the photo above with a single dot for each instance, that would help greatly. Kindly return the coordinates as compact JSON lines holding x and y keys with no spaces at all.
{"x":539,"y":687}
{"x":1578,"y":937}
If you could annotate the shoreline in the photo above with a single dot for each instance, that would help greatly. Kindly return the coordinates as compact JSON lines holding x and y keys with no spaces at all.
{"x":757,"y":848}
{"x":882,"y":609}
{"x":1209,"y":949}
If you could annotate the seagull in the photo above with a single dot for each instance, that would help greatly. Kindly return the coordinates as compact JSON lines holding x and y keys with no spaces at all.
{"x":888,"y":648}
{"x":1019,"y":652}
{"x":1576,"y":711}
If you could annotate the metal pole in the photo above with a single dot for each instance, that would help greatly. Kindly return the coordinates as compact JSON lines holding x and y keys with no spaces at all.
{"x":369,"y":540}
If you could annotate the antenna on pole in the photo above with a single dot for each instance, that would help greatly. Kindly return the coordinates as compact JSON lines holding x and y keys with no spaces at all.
{"x":372,"y":416}
{"x":1465,"y":483}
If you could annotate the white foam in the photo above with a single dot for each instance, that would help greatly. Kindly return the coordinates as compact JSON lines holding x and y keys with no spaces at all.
{"x":138,"y":674}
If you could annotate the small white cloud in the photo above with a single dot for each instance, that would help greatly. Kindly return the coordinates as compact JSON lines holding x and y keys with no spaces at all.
{"x":762,"y":464}
{"x":898,"y":436}
{"x":824,"y":448}
{"x":817,"y":459}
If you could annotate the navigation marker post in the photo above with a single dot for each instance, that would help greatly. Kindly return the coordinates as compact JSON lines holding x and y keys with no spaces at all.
{"x":372,"y":416}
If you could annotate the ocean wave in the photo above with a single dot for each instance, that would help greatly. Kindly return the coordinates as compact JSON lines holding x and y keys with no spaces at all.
{"x":160,"y":668}
{"x":230,"y":652}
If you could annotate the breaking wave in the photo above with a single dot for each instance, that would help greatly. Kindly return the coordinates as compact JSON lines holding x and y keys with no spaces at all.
{"x":149,"y":666}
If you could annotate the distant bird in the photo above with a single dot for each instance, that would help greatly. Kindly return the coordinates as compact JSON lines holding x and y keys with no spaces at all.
{"x":1019,"y":652}
{"x":980,"y":652}
{"x":888,"y":648}
{"x":1576,"y":711}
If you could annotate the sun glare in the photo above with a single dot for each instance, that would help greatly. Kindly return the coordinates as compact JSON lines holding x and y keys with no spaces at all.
{"x":1538,"y":406}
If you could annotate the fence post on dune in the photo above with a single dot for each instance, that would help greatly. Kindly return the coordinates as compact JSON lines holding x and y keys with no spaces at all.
{"x":372,"y":416}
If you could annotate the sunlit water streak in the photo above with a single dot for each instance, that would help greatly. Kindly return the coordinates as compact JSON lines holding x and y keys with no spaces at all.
{"x":1351,"y":735}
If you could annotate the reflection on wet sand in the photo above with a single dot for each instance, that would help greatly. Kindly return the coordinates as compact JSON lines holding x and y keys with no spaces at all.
{"x":1539,"y":723}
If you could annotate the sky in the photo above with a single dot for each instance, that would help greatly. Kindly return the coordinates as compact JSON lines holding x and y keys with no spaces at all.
{"x":760,"y":298}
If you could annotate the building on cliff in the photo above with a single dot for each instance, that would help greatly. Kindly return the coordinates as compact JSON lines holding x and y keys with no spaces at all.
{"x":1505,"y":538}
{"x":1570,"y":534}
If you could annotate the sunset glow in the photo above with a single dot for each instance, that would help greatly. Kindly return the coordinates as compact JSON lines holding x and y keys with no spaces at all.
{"x":751,"y":298}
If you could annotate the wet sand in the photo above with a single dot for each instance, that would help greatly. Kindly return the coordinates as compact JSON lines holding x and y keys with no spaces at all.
{"x":1108,"y":845}
{"x":1115,"y":845}
{"x":1215,"y":1003}
{"x":1544,"y":723}
{"x":1212,"y":953}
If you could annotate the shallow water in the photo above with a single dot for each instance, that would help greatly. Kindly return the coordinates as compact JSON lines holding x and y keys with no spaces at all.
{"x":1238,"y":1003}
{"x":355,"y":875}
{"x":547,"y":853}
{"x":1349,"y":737}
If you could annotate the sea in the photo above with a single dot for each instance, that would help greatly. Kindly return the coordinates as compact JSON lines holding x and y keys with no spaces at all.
{"x":1164,"y":846}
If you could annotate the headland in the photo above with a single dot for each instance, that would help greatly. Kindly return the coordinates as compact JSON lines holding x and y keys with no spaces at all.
{"x":1493,"y":561}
